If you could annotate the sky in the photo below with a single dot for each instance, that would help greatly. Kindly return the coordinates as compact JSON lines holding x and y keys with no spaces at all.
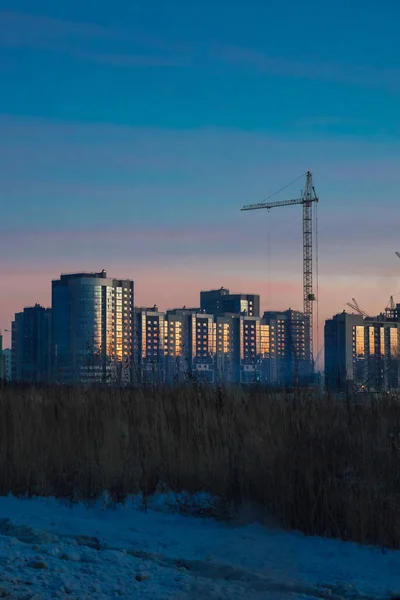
{"x":132,"y":132}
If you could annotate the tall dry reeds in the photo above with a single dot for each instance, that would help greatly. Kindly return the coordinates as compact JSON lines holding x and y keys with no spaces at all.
{"x":313,"y":463}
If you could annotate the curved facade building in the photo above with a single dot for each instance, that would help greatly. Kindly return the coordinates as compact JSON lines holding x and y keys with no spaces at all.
{"x":92,"y":328}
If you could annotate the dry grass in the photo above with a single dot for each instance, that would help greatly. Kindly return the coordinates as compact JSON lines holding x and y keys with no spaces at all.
{"x":314,"y":464}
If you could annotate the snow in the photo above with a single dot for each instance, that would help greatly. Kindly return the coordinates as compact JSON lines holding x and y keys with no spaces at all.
{"x":49,"y":549}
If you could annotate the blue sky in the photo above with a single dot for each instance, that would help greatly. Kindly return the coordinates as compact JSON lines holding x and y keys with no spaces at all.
{"x":269,"y":66}
{"x":131,"y":133}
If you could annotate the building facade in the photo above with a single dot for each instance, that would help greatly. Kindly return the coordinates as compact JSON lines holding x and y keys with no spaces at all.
{"x":202,"y":348}
{"x":92,"y":329}
{"x":149,"y":355}
{"x":226,"y":349}
{"x":197,"y":346}
{"x":177,"y":345}
{"x":31,"y":345}
{"x":292,"y":364}
{"x":189,"y":345}
{"x":7,"y":364}
{"x":361,"y":353}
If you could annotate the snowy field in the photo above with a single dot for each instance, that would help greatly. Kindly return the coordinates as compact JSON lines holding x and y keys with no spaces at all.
{"x":50,"y":550}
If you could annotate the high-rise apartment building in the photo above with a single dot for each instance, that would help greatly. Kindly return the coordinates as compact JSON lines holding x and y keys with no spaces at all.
{"x":290,"y":336}
{"x":190,"y":345}
{"x":92,"y":328}
{"x":177,"y":345}
{"x":148,"y":342}
{"x":31,"y":345}
{"x":249,"y":345}
{"x":361,"y":353}
{"x":226,"y":348}
{"x":202,"y":349}
{"x":255,"y":352}
{"x":219,"y":302}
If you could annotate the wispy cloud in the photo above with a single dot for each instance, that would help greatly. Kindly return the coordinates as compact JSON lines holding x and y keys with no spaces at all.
{"x":85,"y":41}
{"x":20,"y":29}
{"x":55,"y":172}
{"x":128,"y":48}
{"x":361,"y":75}
{"x":127,"y":60}
{"x":167,"y":245}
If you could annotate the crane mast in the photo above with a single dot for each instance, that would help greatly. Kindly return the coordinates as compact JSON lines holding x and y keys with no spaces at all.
{"x":307,"y":199}
{"x":308,"y":294}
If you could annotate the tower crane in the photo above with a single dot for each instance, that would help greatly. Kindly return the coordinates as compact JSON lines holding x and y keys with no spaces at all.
{"x":306,"y":200}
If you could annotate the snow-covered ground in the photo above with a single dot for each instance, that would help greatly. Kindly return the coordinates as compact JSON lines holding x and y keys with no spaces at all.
{"x":50,"y":550}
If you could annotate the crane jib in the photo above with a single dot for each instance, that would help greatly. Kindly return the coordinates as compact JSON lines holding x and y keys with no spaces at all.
{"x":269,"y":205}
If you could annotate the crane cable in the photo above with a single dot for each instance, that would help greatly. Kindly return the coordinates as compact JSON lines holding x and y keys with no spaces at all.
{"x":269,"y":305}
{"x":284,"y":187}
{"x":269,"y":236}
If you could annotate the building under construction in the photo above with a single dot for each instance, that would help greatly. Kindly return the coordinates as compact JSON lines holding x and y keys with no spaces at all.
{"x":362,"y":352}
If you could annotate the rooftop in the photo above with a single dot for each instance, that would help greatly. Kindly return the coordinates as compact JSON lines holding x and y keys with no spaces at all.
{"x":83,"y":274}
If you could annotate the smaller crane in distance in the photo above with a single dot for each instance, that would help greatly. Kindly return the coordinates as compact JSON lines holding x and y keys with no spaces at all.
{"x":307,"y":199}
{"x":354,"y":305}
{"x":390,"y":310}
